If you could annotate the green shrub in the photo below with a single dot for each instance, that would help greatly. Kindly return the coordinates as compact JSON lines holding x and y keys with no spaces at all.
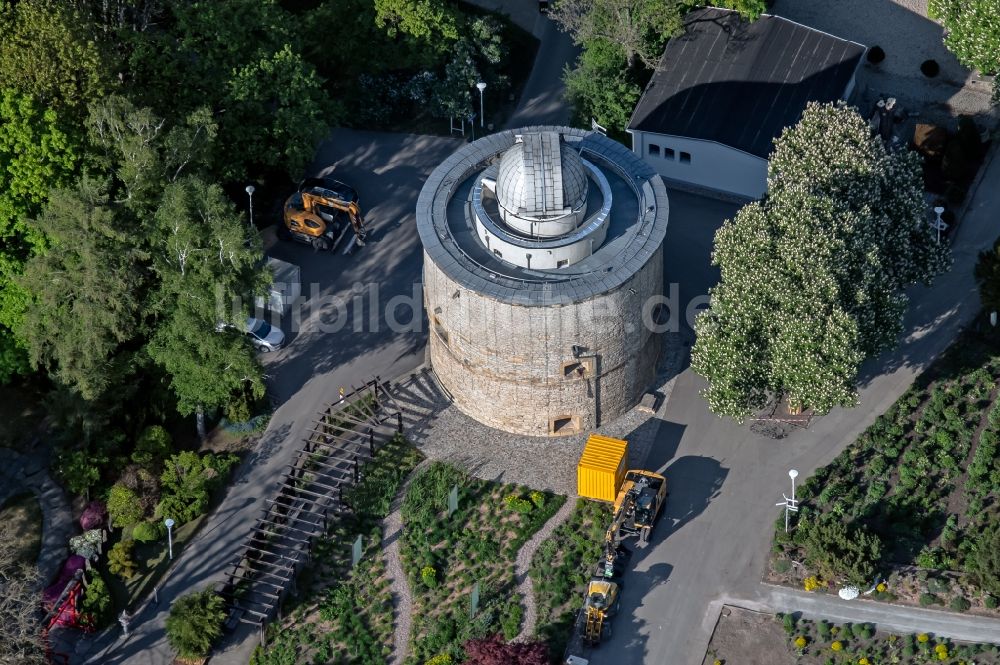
{"x":928,"y":599}
{"x":124,"y":507}
{"x":782,"y":566}
{"x":990,"y":602}
{"x":195,"y":623}
{"x":152,"y":447}
{"x":429,"y":577}
{"x":187,"y":482}
{"x":96,"y":604}
{"x":833,"y":549}
{"x":510,"y":622}
{"x":538,"y":498}
{"x":959,"y":604}
{"x":823,"y":627}
{"x":516,"y":503}
{"x":120,"y":560}
{"x":145,"y":532}
{"x":789,"y":623}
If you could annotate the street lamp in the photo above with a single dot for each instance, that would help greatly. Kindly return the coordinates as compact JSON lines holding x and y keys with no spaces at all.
{"x":482,"y":116}
{"x":938,"y":223}
{"x":250,"y":191}
{"x":169,"y":523}
{"x":791,"y":505}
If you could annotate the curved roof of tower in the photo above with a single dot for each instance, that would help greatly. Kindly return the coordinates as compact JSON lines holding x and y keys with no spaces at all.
{"x":639,"y":213}
{"x":540,"y":176}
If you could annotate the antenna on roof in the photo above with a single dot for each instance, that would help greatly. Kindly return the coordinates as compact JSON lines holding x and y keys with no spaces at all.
{"x":598,"y":128}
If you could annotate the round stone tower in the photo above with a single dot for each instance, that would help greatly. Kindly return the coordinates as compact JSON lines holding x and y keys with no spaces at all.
{"x":542,"y":262}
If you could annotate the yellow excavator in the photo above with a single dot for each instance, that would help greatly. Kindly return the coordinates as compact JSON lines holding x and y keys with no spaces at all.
{"x":637,"y":506}
{"x":321,"y":212}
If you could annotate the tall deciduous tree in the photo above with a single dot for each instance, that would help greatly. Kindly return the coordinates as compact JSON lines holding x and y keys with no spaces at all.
{"x":39,"y":149}
{"x":209,"y":266}
{"x":83,"y":289}
{"x":277,"y":112}
{"x":50,"y":50}
{"x":813,"y":275}
{"x":430,"y":21}
{"x":639,"y":28}
{"x":972,"y":32}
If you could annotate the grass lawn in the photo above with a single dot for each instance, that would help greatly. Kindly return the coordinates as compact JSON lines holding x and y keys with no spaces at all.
{"x":24,"y":517}
{"x":924,"y":479}
{"x":445,"y":556}
{"x":344,"y":615}
{"x":562,"y":567}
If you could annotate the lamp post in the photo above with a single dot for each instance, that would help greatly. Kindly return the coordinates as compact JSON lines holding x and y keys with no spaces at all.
{"x":169,"y":523}
{"x":250,"y":191}
{"x":482,"y":116}
{"x":791,"y":505}
{"x":938,"y":223}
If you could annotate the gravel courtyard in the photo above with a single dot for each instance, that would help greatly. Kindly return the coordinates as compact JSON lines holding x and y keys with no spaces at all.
{"x":902,"y":29}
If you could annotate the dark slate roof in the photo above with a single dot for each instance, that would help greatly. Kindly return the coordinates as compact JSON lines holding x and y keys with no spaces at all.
{"x":740,"y":83}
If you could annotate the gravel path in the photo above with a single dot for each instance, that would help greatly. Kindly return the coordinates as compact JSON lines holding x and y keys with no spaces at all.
{"x":522,"y":567}
{"x":402,"y":601}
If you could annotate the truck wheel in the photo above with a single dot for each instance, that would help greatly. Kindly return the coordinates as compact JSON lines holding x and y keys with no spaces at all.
{"x":321,"y":244}
{"x":644,"y":536}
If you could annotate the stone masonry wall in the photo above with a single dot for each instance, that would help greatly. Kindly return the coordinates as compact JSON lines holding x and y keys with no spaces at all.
{"x":506,"y":365}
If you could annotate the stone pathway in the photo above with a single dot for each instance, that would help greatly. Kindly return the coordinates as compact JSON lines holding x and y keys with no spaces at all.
{"x":522,"y":567}
{"x":20,"y":473}
{"x":402,"y":601}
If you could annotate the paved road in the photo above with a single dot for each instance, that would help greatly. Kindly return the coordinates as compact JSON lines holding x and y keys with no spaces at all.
{"x":388,"y":170}
{"x":900,"y":619}
{"x":725,"y":480}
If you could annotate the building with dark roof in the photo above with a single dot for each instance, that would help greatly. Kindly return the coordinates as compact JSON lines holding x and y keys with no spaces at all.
{"x":726,"y":88}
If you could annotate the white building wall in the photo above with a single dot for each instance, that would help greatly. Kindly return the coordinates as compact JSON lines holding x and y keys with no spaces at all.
{"x":703,"y":163}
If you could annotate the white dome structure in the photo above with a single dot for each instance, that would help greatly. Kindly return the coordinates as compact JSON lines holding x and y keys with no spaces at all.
{"x":542,"y":179}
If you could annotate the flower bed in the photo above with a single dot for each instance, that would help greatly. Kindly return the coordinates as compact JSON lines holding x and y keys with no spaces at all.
{"x":445,"y":556}
{"x":914,"y":499}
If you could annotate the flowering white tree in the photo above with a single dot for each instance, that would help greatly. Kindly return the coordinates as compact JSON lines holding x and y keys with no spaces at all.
{"x":972,"y":31}
{"x":813,"y":275}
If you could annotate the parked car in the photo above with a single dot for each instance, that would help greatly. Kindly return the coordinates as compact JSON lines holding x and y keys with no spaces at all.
{"x":264,"y":337}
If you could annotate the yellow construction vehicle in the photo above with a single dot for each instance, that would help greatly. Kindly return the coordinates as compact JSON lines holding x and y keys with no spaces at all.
{"x":603,"y":596}
{"x":638,"y":497}
{"x":321,"y":212}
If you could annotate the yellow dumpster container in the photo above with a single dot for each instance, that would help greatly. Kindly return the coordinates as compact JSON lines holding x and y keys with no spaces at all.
{"x":602,"y":468}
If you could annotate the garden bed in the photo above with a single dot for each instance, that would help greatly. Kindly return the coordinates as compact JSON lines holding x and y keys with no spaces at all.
{"x":562,"y":567}
{"x":445,"y":555}
{"x":744,"y":637}
{"x":344,"y":615}
{"x":914,"y":500}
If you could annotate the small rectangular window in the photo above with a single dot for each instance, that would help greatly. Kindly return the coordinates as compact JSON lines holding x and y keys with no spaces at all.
{"x":562,"y":263}
{"x":685,"y":157}
{"x":668,"y":153}
{"x":654,"y":150}
{"x":497,"y":252}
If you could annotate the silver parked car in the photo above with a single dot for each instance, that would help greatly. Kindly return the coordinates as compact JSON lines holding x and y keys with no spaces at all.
{"x":264,"y":336}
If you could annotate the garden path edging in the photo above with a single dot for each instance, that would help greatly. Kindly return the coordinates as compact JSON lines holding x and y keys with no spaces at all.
{"x":402,"y":599}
